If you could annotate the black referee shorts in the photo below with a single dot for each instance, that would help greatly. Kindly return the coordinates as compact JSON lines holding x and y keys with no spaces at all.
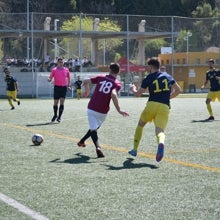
{"x":60,"y":92}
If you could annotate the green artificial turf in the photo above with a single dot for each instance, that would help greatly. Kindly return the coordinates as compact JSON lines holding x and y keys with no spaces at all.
{"x":59,"y":180}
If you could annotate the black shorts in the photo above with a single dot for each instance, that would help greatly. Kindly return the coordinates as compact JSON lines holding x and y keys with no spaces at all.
{"x":60,"y":92}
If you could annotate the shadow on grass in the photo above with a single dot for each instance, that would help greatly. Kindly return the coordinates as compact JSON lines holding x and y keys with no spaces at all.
{"x":5,"y":110}
{"x":42,"y":124}
{"x":195,"y":121}
{"x":79,"y":159}
{"x":128,"y":164}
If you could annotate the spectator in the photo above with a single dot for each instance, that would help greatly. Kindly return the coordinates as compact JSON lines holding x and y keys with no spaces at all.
{"x":46,"y":60}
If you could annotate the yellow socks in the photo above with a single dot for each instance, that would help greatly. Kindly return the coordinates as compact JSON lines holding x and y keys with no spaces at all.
{"x":10,"y":102}
{"x":209,"y":109}
{"x":137,"y":136}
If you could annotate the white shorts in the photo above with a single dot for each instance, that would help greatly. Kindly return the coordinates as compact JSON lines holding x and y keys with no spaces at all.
{"x":95,"y":119}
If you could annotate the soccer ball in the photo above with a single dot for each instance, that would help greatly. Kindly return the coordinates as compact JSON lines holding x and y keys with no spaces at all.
{"x":37,"y":139}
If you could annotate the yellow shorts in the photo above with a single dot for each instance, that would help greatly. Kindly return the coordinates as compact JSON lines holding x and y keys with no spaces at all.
{"x":12,"y":94}
{"x":213,"y":95}
{"x":79,"y":91}
{"x":156,"y":112}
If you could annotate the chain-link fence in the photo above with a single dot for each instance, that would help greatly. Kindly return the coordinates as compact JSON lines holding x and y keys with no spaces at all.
{"x":89,"y":42}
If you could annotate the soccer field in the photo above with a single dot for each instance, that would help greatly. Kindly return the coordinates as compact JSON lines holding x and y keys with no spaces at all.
{"x":58,"y":180}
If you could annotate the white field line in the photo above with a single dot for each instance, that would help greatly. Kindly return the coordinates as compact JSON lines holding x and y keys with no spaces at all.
{"x":29,"y":212}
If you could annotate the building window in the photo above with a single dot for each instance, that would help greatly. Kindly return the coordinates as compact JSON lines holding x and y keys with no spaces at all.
{"x":167,"y":62}
{"x":184,"y":61}
{"x":178,"y":61}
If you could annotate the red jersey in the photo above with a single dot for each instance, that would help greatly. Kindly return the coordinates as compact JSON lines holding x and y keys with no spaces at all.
{"x":101,"y":97}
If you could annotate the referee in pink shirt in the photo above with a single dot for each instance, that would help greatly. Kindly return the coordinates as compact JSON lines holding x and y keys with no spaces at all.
{"x":62,"y":82}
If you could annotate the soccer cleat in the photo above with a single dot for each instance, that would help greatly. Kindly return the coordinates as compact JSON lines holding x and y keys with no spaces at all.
{"x":81,"y":144}
{"x":12,"y":108}
{"x":160,"y":152}
{"x":54,"y":118}
{"x":99,"y":152}
{"x":58,"y":119}
{"x":211,"y":118}
{"x":133,"y":152}
{"x":19,"y":102}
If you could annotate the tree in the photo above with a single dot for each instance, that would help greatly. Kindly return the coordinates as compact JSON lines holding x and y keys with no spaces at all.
{"x":207,"y":29}
{"x":156,"y":7}
{"x":181,"y":41}
{"x":140,"y":7}
{"x":87,"y":25}
{"x":95,"y":6}
{"x":152,"y":47}
{"x":188,"y":6}
{"x":40,"y":6}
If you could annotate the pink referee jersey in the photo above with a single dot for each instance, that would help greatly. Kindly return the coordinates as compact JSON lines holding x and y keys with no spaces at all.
{"x":61,"y":76}
{"x":101,"y":97}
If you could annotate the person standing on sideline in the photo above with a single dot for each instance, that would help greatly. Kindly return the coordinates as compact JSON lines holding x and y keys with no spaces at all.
{"x":46,"y":60}
{"x":162,"y":87}
{"x":98,"y":107}
{"x":212,"y":76}
{"x":11,"y":88}
{"x":78,"y":86}
{"x":61,"y":76}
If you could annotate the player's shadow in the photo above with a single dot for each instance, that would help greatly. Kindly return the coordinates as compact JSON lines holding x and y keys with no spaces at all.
{"x":41,"y":124}
{"x":128,"y":164}
{"x":196,"y":121}
{"x":33,"y":145}
{"x":77,"y":160}
{"x":4,"y":110}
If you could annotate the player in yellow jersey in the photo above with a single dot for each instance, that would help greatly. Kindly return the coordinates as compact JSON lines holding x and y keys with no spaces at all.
{"x":78,"y":85}
{"x":212,"y":76}
{"x":162,"y":87}
{"x":11,"y":88}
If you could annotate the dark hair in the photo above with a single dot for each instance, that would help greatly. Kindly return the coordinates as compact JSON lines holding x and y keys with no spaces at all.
{"x":6,"y":69}
{"x":154,"y":62}
{"x":114,"y":67}
{"x":59,"y":59}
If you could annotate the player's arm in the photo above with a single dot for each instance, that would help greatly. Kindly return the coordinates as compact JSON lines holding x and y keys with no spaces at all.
{"x":204,"y":84}
{"x":86,"y":84}
{"x":137,"y":93}
{"x":116,"y":103}
{"x":49,"y":78}
{"x":218,"y":75}
{"x":16,"y":86}
{"x":69,"y":82}
{"x":175,"y":90}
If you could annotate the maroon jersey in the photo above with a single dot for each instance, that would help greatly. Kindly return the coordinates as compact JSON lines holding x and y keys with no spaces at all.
{"x":101,"y":96}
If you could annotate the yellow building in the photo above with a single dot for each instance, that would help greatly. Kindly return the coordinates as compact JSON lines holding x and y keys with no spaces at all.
{"x":189,"y":69}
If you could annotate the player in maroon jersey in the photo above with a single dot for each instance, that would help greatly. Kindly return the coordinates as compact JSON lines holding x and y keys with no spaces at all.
{"x":107,"y":87}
